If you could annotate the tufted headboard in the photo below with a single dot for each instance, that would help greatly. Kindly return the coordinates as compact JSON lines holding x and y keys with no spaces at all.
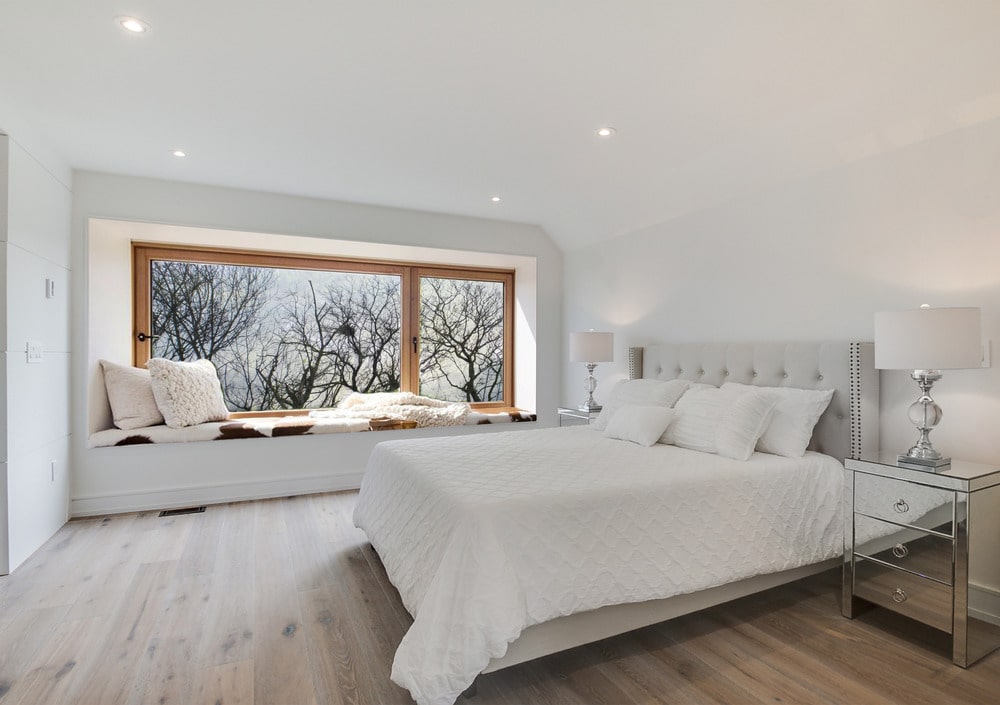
{"x":847,"y":428}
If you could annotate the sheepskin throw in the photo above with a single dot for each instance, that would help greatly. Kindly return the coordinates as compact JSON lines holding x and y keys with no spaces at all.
{"x":187,"y":393}
{"x":398,"y":405}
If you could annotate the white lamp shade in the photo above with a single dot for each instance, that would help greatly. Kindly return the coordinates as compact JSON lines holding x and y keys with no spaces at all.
{"x":591,"y":346}
{"x":928,"y":339}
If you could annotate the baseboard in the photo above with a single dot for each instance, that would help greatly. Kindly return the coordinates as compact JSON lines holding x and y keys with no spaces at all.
{"x":984,"y":603}
{"x":210,"y":494}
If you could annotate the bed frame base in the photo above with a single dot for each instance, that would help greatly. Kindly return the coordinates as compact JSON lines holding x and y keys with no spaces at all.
{"x":585,"y":627}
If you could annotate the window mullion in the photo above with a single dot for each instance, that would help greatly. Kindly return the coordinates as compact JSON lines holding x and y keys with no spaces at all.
{"x":410,"y":359}
{"x":141,"y":351}
{"x":508,"y":340}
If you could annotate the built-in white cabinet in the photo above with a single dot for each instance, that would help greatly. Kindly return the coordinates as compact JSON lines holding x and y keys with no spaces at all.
{"x":35,"y":258}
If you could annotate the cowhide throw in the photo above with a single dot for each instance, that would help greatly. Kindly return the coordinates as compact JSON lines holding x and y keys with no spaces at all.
{"x":278,"y":427}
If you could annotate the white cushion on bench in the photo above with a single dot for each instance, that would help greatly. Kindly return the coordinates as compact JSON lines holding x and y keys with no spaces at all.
{"x":187,"y":393}
{"x":130,"y":395}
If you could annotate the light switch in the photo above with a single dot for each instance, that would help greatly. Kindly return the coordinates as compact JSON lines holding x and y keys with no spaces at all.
{"x":34,"y":352}
{"x":50,"y":288}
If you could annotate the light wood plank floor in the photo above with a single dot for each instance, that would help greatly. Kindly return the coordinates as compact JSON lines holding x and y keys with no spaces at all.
{"x":284,"y":601}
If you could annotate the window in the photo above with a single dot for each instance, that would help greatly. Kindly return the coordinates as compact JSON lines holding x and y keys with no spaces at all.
{"x":299,"y":332}
{"x":462,"y":342}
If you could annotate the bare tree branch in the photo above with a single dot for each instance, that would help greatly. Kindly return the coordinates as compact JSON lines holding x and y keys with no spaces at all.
{"x":462,"y":335}
{"x":286,"y":339}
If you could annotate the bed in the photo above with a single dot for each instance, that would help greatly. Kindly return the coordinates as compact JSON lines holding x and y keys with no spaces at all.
{"x":510,"y":546}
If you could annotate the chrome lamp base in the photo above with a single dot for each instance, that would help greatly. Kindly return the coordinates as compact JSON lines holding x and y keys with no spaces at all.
{"x":925,"y":415}
{"x":928,"y":463}
{"x":591,"y":404}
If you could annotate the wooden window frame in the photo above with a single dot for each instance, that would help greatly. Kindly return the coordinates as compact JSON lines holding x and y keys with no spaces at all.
{"x":410,"y":273}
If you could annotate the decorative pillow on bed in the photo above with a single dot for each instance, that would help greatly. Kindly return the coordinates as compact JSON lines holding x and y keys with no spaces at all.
{"x":640,"y":424}
{"x":187,"y":393}
{"x":130,"y":394}
{"x":795,"y":417}
{"x":723,"y":421}
{"x":699,"y":385}
{"x":640,"y":392}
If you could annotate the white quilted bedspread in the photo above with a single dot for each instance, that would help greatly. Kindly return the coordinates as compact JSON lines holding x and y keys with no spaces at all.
{"x":486,"y":535}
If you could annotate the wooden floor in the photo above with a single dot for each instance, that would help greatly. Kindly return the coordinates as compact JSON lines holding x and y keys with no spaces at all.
{"x":283,"y":601}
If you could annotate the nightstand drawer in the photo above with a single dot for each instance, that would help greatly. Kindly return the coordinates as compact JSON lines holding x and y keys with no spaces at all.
{"x":904,"y":502}
{"x":569,"y":416}
{"x":910,"y":595}
{"x":910,"y":549}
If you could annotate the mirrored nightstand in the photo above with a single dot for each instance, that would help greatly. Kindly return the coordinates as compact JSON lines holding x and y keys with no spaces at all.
{"x":925,"y":542}
{"x":570,"y":416}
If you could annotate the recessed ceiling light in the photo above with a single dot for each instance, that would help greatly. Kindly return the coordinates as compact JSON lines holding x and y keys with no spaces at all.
{"x":605,"y":132}
{"x":132,"y":24}
{"x":495,"y":199}
{"x":179,"y":153}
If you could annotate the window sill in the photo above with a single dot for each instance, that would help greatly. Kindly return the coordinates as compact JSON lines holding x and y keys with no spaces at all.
{"x":481,"y":407}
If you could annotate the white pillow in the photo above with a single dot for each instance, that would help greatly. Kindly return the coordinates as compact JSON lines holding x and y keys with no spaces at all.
{"x":187,"y":393}
{"x":700,"y":385}
{"x":130,"y":394}
{"x":640,"y":424}
{"x":723,"y":421}
{"x":794,"y":419}
{"x":640,"y":392}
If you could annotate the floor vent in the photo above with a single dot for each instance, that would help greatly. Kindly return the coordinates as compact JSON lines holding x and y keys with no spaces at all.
{"x":185,"y":510}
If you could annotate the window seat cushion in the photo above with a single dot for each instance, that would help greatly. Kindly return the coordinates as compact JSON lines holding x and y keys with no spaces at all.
{"x":276,"y":427}
{"x":258,"y":427}
{"x":478,"y":418}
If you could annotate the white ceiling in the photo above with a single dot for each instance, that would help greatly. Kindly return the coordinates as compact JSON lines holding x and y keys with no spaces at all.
{"x":438,"y":105}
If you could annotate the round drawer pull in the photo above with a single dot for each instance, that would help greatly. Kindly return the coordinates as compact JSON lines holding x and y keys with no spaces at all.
{"x":901,"y":506}
{"x":900,"y":550}
{"x":898,"y":595}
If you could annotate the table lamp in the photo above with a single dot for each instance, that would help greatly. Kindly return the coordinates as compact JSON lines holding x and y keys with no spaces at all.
{"x":925,"y":341}
{"x":591,"y":347}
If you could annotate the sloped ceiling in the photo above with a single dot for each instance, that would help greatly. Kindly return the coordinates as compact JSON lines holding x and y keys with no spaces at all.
{"x":439,"y":105}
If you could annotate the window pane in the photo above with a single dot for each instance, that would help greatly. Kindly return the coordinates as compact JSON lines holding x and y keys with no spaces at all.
{"x":280,"y":338}
{"x":461,"y":339}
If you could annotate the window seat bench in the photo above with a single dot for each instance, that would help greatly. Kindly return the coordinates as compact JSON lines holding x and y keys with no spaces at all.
{"x":277,"y":427}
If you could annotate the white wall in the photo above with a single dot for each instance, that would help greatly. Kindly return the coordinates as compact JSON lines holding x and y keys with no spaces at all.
{"x":34,"y":246}
{"x":120,"y":479}
{"x":814,"y":260}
